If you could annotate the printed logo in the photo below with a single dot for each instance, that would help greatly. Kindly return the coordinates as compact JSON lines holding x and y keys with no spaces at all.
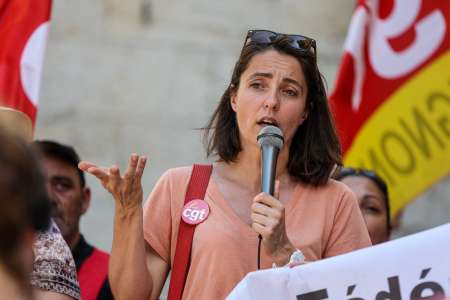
{"x":195,"y":212}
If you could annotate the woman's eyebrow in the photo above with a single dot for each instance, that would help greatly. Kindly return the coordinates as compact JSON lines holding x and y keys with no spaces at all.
{"x":369,"y":196}
{"x":293,"y":81}
{"x":270,"y":75}
{"x":261,"y":74}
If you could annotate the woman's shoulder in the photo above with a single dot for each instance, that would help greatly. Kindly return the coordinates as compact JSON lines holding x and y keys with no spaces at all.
{"x":183,"y":171}
{"x":337,"y":186}
{"x":173,"y":177}
{"x":331,"y":199}
{"x":173,"y":183}
{"x":178,"y":172}
{"x":178,"y":175}
{"x":333,"y":190}
{"x":331,"y":186}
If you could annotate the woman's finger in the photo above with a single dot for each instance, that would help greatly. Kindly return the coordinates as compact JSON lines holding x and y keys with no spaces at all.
{"x":114,"y":175}
{"x":140,"y":167}
{"x":270,"y":212}
{"x":295,"y":264}
{"x":260,"y":229}
{"x":100,"y":173}
{"x":276,"y":193}
{"x":268,"y":200}
{"x":261,"y":209}
{"x":85,"y":165}
{"x":258,"y":218}
{"x":131,"y":169}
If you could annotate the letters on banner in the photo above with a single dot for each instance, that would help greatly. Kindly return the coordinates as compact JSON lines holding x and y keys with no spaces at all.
{"x":415,"y":267}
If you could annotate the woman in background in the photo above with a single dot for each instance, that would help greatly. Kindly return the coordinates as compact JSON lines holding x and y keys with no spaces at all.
{"x":372,"y":194}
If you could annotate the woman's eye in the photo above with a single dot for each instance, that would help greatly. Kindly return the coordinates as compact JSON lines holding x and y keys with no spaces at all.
{"x":256,"y":85}
{"x":290,"y":93}
{"x":372,"y":210}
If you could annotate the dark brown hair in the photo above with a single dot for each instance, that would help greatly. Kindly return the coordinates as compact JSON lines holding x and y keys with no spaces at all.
{"x":23,"y":201}
{"x":315,"y":148}
{"x":64,"y":153}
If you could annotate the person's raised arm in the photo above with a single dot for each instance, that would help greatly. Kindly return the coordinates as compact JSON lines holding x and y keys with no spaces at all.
{"x":135,"y":270}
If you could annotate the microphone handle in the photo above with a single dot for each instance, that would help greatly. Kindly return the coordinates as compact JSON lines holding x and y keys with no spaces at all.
{"x":269,"y":155}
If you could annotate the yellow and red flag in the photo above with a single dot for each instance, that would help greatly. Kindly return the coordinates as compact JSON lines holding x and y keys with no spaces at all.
{"x":392,"y":96}
{"x":23,"y":37}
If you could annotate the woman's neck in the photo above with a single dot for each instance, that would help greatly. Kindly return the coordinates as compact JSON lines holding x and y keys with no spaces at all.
{"x":246,"y":171}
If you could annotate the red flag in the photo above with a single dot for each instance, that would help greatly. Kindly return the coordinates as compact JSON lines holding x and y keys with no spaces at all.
{"x":23,"y":36}
{"x":392,"y":96}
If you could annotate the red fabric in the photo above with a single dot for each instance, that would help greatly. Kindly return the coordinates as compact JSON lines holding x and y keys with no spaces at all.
{"x":18,"y":21}
{"x":196,"y":190}
{"x":375,"y":89}
{"x":92,"y":274}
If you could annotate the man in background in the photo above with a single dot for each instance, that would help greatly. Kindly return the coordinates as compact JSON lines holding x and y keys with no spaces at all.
{"x":70,"y":199}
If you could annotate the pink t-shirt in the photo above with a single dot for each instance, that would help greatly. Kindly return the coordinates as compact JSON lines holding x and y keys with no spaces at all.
{"x":321,"y":222}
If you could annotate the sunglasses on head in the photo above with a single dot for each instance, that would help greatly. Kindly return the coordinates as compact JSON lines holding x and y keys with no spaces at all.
{"x":267,"y":37}
{"x":344,"y":172}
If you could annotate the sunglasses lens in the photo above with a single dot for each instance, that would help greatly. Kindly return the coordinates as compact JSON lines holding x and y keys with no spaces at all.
{"x":263,"y":37}
{"x":301,"y":43}
{"x":267,"y":37}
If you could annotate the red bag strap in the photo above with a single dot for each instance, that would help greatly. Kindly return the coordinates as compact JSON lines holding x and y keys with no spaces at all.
{"x":196,"y":190}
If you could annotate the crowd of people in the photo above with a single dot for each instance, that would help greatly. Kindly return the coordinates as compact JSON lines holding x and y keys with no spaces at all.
{"x":43,"y":253}
{"x":310,"y":216}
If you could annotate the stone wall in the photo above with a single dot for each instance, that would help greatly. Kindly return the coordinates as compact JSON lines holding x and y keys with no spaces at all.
{"x":142,"y":75}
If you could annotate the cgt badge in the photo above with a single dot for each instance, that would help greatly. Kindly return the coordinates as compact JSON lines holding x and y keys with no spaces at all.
{"x":195,"y":212}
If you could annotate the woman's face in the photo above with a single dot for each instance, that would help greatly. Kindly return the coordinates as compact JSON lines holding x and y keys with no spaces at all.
{"x":371,"y":203}
{"x":272,"y":90}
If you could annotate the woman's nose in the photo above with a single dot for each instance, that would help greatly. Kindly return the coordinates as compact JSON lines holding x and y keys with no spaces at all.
{"x":271,"y":100}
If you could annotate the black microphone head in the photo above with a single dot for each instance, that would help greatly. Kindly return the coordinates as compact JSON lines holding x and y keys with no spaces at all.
{"x":270,"y":136}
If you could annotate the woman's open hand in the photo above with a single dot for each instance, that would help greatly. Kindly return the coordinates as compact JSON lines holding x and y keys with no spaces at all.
{"x":268,"y":218}
{"x":127,"y":189}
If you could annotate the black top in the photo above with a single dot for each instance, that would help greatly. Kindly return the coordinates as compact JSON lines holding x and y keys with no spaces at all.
{"x":80,"y":253}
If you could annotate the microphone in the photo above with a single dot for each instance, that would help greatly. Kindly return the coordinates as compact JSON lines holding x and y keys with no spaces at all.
{"x":270,"y":139}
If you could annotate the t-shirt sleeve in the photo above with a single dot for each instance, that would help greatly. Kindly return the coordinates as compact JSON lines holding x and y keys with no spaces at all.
{"x":349,"y":231}
{"x":158,"y":218}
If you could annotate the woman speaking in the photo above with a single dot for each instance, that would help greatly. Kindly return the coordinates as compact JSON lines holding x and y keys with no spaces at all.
{"x":275,"y":82}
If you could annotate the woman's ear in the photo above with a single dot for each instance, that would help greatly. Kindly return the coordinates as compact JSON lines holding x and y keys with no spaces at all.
{"x":233,"y":100}
{"x":305,"y":115}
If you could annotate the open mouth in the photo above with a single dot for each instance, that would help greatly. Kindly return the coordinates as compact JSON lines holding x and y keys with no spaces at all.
{"x":268,"y":121}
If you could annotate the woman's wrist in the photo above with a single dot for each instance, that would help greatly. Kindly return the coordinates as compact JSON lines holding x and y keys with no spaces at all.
{"x":127,"y":212}
{"x":282,"y":255}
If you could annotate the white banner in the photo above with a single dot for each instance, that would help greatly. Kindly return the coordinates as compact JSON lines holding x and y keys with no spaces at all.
{"x":414,"y":267}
